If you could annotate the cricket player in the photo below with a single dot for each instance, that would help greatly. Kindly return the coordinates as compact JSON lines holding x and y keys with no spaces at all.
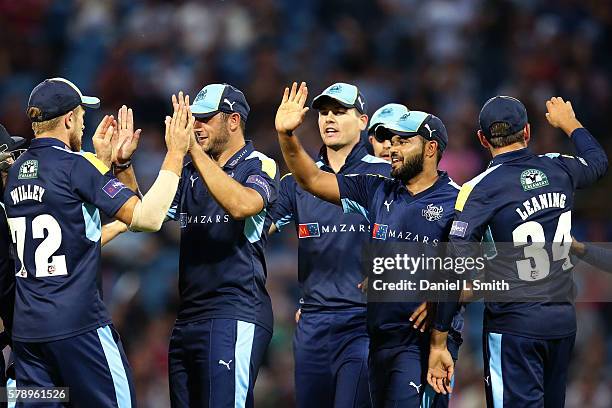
{"x":414,"y":206}
{"x":223,"y":202}
{"x":331,"y":343}
{"x":526,"y":200}
{"x":62,"y":333}
{"x":388,"y":113}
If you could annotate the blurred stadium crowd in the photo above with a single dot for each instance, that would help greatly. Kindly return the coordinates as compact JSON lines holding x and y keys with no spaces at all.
{"x":441,"y":56}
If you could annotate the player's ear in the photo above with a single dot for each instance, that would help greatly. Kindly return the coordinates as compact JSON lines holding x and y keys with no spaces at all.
{"x":234,"y":121}
{"x":69,"y":119}
{"x":432,"y":149}
{"x":363,"y":122}
{"x":527,"y":133}
{"x":483,"y":140}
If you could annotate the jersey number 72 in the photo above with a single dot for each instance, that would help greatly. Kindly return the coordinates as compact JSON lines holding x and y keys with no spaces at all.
{"x":47,"y":264}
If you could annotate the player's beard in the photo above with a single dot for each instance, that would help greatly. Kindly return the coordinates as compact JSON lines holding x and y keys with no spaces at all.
{"x":75,"y":140}
{"x":411,"y":167}
{"x":218,"y":144}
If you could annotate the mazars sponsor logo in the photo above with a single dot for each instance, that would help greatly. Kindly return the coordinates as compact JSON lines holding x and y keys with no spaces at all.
{"x":315,"y":230}
{"x":186,"y":219}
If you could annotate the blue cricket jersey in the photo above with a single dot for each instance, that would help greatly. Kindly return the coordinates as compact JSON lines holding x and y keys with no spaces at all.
{"x":329,"y":241}
{"x":222,"y":268}
{"x":526,"y":200}
{"x":395,"y":215}
{"x":52,"y":197}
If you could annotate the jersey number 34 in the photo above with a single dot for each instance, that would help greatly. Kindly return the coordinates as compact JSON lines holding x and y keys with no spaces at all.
{"x":532,"y":233}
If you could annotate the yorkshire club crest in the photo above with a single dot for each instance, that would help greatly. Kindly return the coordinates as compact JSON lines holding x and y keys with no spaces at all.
{"x":532,"y":179}
{"x":28,"y":170}
{"x":432,"y":212}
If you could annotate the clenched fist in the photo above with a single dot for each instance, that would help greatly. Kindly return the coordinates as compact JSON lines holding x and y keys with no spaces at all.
{"x":561,"y":115}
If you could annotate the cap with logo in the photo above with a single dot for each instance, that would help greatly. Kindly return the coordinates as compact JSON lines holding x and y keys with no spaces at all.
{"x":346,"y":95}
{"x":502,"y":109}
{"x":215,"y":98}
{"x":388,"y":113}
{"x":415,"y":123}
{"x":55,"y":97}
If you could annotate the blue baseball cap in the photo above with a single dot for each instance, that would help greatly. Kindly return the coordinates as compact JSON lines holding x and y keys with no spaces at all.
{"x":346,"y":95}
{"x":55,"y":97}
{"x":9,"y":142}
{"x":215,"y":98}
{"x":415,"y":123}
{"x":388,"y":113}
{"x":502,"y":109}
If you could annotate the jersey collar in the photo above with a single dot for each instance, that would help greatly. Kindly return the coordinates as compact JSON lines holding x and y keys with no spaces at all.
{"x":47,"y":142}
{"x":509,"y":156}
{"x":240,"y":155}
{"x":358,"y":152}
{"x":442,"y":180}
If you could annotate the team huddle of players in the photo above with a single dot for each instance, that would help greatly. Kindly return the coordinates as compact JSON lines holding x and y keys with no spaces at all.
{"x":228,"y":198}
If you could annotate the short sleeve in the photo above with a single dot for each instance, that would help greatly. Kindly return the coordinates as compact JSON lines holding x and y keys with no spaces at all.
{"x":95,"y":184}
{"x":262,"y":176}
{"x":357,"y":191}
{"x":282,"y":211}
{"x":472,"y":215}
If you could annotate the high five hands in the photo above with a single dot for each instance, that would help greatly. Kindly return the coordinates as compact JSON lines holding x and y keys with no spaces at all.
{"x":125,"y":139}
{"x":291,"y":112}
{"x":179,"y":127}
{"x":115,"y":141}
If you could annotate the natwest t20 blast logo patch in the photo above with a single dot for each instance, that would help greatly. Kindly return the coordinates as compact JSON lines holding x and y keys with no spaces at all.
{"x":28,"y":170}
{"x":113,"y":187}
{"x":532,"y":179}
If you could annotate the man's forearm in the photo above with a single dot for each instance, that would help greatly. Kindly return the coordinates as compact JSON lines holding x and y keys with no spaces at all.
{"x":304,"y":169}
{"x":111,"y":230}
{"x":590,"y":150}
{"x":597,"y":256}
{"x":128,"y":177}
{"x":438,"y":339}
{"x":312,"y":179}
{"x":237,"y":200}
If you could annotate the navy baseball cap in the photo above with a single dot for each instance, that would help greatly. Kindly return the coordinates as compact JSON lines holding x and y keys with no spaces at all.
{"x":502,"y":109}
{"x":388,"y":113}
{"x":346,"y":95}
{"x":10,"y":147}
{"x":55,"y":97}
{"x":415,"y":123}
{"x":9,"y":143}
{"x":215,"y":98}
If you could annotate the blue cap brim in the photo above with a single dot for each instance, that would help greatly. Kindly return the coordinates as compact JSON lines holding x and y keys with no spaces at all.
{"x":90,"y":102}
{"x":321,"y":99}
{"x":204,"y":115}
{"x":384,"y":132}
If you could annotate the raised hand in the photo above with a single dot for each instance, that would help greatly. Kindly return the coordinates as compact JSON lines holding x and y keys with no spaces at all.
{"x":179,"y":127}
{"x":125,"y":140}
{"x":192,"y":140}
{"x":561,"y":115}
{"x":102,"y":140}
{"x":291,"y":112}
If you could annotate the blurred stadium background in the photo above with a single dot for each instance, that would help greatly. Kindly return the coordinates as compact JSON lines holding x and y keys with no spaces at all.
{"x":442,"y":56}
